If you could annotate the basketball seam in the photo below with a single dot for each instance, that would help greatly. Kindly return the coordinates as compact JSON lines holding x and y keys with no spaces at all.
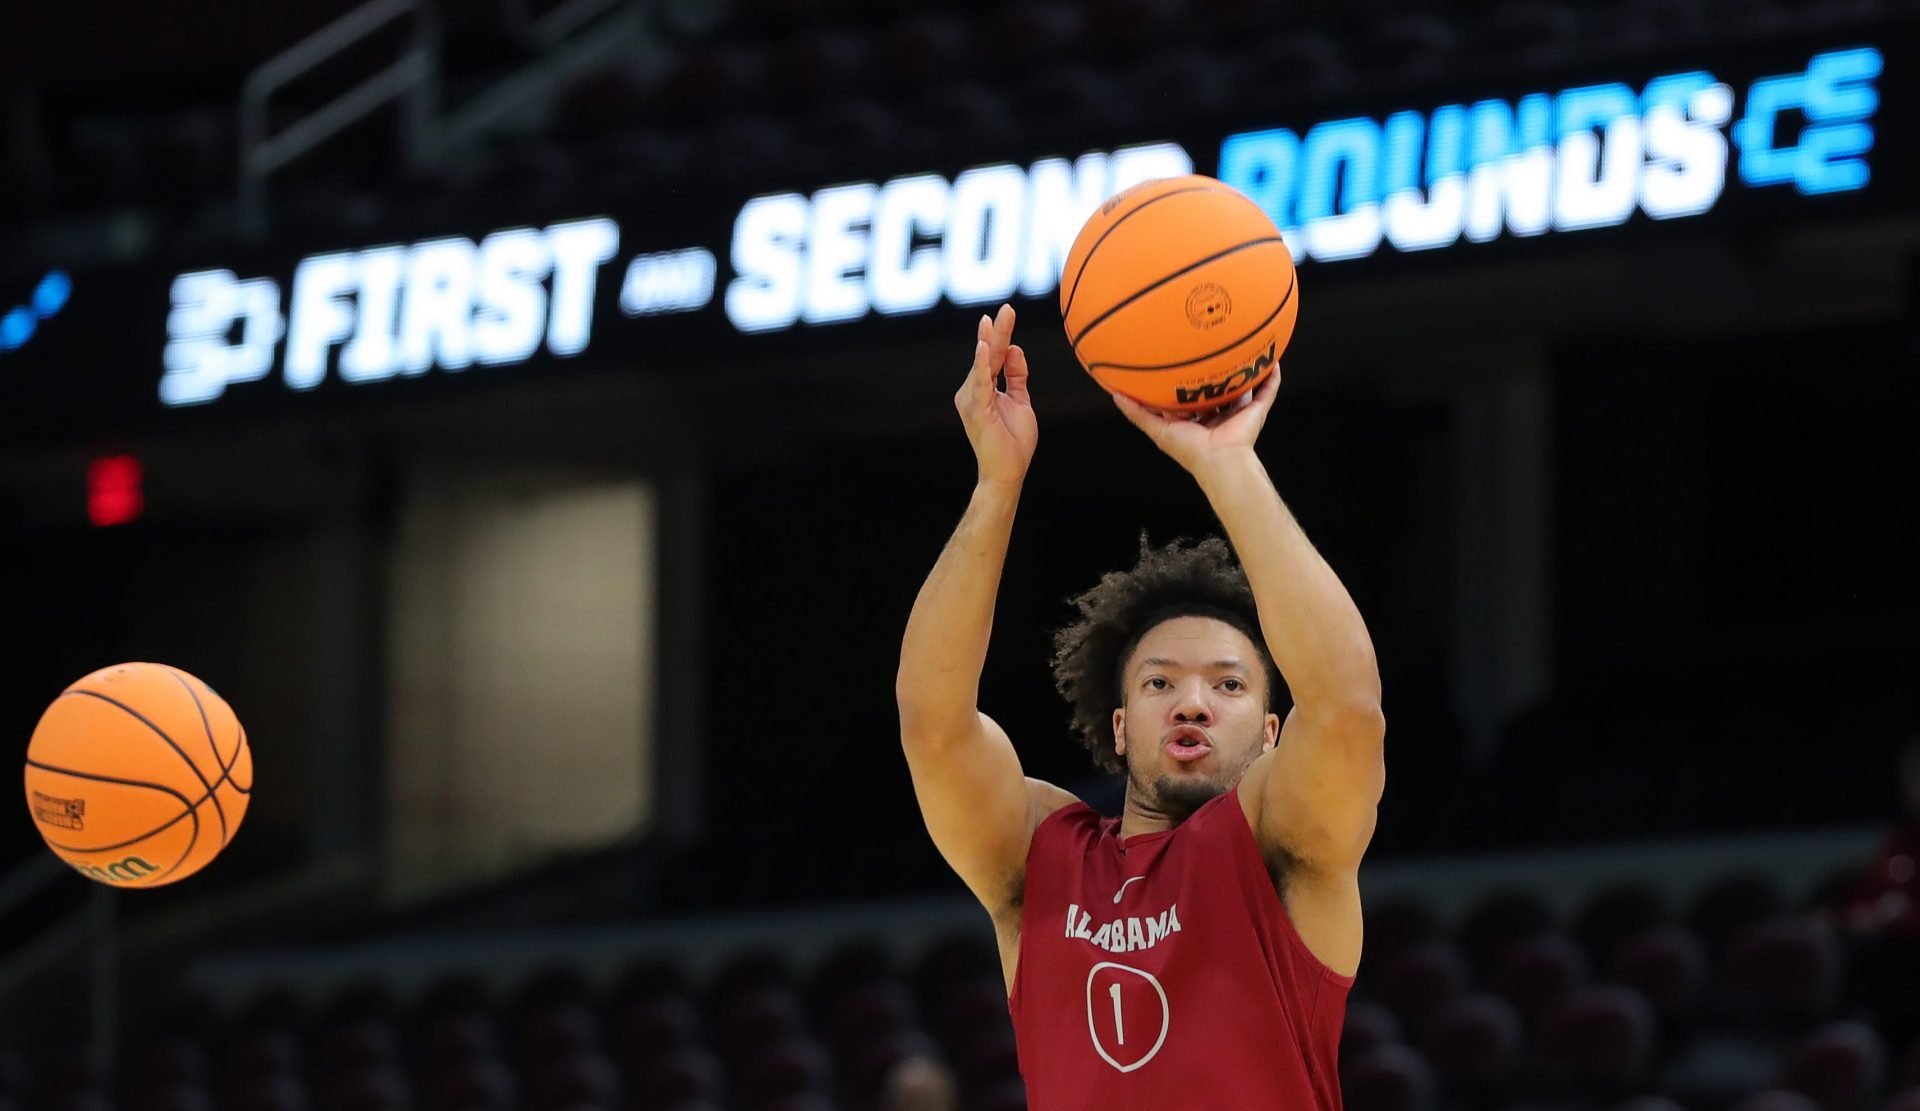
{"x":162,"y":828}
{"x":206,"y":726}
{"x":1074,"y":290}
{"x":1187,"y":269}
{"x":192,"y":811}
{"x":1282,"y":307}
{"x":194,"y":805}
{"x":171,"y":743}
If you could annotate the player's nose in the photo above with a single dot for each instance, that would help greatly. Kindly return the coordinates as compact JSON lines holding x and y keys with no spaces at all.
{"x":1191,"y":707}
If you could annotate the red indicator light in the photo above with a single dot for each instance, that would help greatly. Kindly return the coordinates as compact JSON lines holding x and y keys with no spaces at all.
{"x":114,"y":494}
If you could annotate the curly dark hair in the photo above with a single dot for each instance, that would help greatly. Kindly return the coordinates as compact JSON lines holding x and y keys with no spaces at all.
{"x":1179,"y":580}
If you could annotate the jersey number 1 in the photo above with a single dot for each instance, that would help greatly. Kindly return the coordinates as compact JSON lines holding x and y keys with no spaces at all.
{"x":1126,"y":988}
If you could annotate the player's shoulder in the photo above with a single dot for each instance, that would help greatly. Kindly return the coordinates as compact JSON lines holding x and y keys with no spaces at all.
{"x":1045,"y":800}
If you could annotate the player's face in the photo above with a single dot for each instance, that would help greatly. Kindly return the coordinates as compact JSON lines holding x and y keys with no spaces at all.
{"x":1194,"y":712}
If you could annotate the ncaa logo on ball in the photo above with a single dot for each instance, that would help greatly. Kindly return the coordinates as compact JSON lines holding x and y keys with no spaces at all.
{"x":1208,"y":306}
{"x":1238,"y":378}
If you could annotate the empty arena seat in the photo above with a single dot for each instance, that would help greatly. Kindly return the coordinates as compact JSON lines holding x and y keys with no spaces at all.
{"x":710,"y":79}
{"x":1598,"y":1039}
{"x":1534,"y":31}
{"x":1497,"y":921}
{"x":804,"y":1101}
{"x":643,"y":1029}
{"x":1405,"y":47}
{"x":1419,"y":979}
{"x":757,"y":1017}
{"x":1615,"y":914}
{"x":550,"y":1030}
{"x":361,"y":1043}
{"x":864,"y":1069}
{"x":678,"y":1077}
{"x":474,"y":1084}
{"x":1729,"y":905}
{"x":923,"y":47}
{"x":574,"y":1080}
{"x":1474,"y":1043}
{"x":738,"y":149}
{"x":278,"y":1092}
{"x":962,"y":112}
{"x":1071,"y":95}
{"x":1389,"y":1078}
{"x":1842,"y":1067}
{"x":815,"y":63}
{"x":862,"y":1013}
{"x":1395,"y":924}
{"x":1716,"y":1068}
{"x":263,"y":1053}
{"x":168,"y":1062}
{"x":1776,"y":1100}
{"x":1367,"y":1026}
{"x":1668,"y":966}
{"x":167,"y":1097}
{"x":1538,"y":972}
{"x":1008,"y":1095}
{"x":1181,"y":84}
{"x":966,"y":1010}
{"x":598,"y":101}
{"x":1906,"y":1070}
{"x":1780,"y":973}
{"x":1023,"y":35}
{"x":1125,"y":29}
{"x":453,"y":1037}
{"x":850,"y":129}
{"x":988,"y":1059}
{"x":1228,"y":22}
{"x":791,"y":1067}
{"x":1289,"y":64}
{"x":955,"y":959}
{"x":378,"y":1088}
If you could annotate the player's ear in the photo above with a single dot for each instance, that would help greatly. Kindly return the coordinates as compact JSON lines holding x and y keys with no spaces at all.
{"x":1272,"y":727}
{"x":1120,"y":732}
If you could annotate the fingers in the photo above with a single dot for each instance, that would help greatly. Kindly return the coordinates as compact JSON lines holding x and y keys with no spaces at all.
{"x":1016,"y":368}
{"x":999,"y":337}
{"x":1141,"y":417}
{"x":969,"y":394}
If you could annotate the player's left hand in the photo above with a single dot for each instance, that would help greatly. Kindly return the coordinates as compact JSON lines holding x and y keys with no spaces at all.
{"x":1195,"y":440}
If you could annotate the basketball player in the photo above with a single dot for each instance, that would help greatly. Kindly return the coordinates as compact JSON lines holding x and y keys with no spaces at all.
{"x":1195,"y":952}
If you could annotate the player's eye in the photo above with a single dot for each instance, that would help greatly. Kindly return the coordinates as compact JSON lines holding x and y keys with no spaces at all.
{"x":1233,"y":685}
{"x":1157,"y":683}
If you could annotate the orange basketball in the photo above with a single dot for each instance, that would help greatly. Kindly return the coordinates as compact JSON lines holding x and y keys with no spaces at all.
{"x":138,"y":775}
{"x":1179,"y":294}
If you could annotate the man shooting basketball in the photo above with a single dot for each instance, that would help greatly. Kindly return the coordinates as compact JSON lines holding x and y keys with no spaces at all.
{"x":1196,"y":952}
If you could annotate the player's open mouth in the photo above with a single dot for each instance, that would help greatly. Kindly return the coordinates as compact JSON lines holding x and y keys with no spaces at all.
{"x":1188,"y":743}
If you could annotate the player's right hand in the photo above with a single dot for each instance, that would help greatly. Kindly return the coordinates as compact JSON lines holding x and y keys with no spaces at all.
{"x":1000,"y":423}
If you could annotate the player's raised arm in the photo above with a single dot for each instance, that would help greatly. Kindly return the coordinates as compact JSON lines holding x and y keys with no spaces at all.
{"x":965,"y":772}
{"x":1315,"y":799}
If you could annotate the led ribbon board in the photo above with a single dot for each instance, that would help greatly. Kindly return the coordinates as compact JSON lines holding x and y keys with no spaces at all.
{"x":1791,"y":132}
{"x":1585,"y":157}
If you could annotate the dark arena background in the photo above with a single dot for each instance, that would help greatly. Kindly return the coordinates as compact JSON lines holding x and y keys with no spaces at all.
{"x":536,"y":420}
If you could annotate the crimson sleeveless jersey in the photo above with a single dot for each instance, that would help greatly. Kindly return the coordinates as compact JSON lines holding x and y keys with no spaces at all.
{"x":1162,"y":973}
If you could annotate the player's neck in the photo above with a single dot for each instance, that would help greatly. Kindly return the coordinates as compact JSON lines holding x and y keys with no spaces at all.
{"x":1139,"y":815}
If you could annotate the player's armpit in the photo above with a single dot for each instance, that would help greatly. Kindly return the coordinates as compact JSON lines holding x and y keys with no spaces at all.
{"x":1315,"y":799}
{"x":979,"y":807}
